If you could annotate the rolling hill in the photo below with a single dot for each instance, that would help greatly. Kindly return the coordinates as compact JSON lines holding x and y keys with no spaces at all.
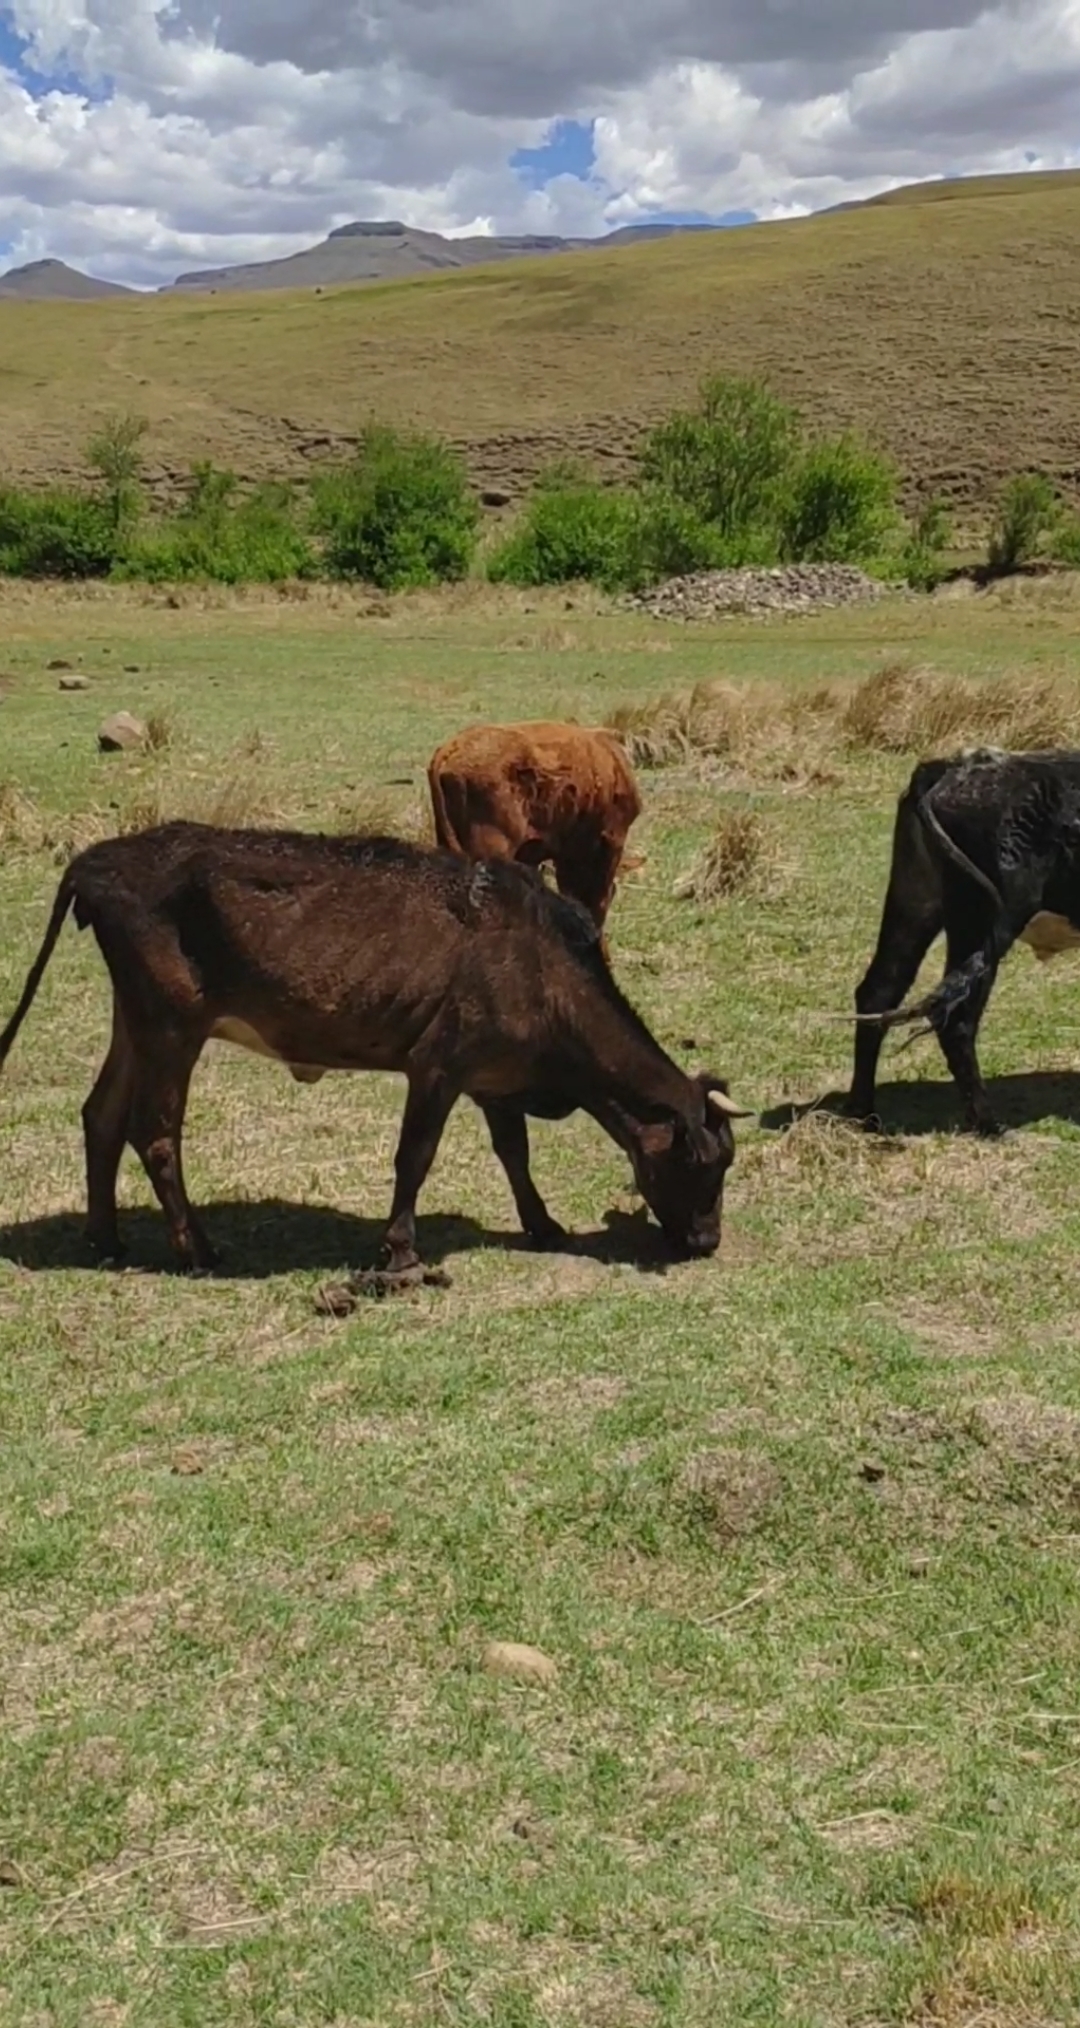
{"x":54,"y":282}
{"x":949,"y":330}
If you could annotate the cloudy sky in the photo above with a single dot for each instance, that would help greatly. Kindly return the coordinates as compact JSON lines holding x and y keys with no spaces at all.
{"x":139,"y":139}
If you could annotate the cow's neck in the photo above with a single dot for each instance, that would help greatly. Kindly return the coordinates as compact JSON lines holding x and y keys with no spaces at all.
{"x":627,"y":1069}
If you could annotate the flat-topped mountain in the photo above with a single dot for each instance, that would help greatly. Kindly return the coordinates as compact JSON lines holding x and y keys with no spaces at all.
{"x":385,"y":250}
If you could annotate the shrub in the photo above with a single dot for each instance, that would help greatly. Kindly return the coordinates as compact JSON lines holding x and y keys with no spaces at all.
{"x":1067,"y":541}
{"x":55,"y":533}
{"x":114,"y":454}
{"x":729,"y":461}
{"x":217,"y":537}
{"x":840,"y":505}
{"x":1028,"y":515}
{"x":401,"y":514}
{"x":929,"y":535}
{"x":571,"y":528}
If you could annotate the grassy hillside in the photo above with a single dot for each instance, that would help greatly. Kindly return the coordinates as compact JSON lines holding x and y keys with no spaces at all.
{"x":950,"y":330}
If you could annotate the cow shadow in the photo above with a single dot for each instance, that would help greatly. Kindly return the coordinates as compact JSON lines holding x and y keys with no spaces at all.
{"x":265,"y":1238}
{"x":931,"y":1105}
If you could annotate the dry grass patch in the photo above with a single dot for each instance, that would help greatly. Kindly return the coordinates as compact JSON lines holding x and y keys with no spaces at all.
{"x":795,"y":737}
{"x":741,"y":857}
{"x":901,"y":709}
{"x":27,"y":828}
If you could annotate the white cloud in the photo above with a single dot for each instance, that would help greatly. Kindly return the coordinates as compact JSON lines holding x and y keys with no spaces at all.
{"x":210,"y":131}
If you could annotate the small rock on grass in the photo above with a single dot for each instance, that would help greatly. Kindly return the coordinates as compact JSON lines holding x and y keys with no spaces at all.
{"x":74,"y":682}
{"x":121,"y":733}
{"x":519,"y":1662}
{"x":10,"y":1874}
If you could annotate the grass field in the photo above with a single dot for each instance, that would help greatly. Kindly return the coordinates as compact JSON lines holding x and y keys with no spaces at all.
{"x":948,"y":329}
{"x":798,"y":1527}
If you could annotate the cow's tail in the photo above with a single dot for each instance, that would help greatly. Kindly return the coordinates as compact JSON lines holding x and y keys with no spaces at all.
{"x":936,"y":1006}
{"x":65,"y":895}
{"x":445,"y":834}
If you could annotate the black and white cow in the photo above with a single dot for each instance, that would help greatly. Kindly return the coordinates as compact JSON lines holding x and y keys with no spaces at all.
{"x":986,"y":847}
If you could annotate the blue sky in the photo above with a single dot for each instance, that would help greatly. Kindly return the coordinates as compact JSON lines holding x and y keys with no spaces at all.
{"x":569,"y":151}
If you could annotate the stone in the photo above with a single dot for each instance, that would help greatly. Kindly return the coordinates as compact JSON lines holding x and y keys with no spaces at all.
{"x":121,"y":733}
{"x":519,"y":1662}
{"x":791,"y":588}
{"x":74,"y":683}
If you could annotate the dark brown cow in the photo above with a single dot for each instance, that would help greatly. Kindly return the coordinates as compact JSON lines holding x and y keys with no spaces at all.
{"x":539,"y":793}
{"x":334,"y":953}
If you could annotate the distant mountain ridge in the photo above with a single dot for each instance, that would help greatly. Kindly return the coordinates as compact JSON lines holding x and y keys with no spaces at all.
{"x":384,"y":250}
{"x":54,"y":282}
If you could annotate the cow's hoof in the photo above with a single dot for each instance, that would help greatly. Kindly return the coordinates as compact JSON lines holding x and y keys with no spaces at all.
{"x":106,"y":1252}
{"x":987,"y":1127}
{"x":550,"y":1238}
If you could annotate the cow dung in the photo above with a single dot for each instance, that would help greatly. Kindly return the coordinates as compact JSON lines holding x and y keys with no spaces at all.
{"x":520,"y":1662}
{"x":121,"y":733}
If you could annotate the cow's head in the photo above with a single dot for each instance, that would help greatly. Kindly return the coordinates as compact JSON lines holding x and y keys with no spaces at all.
{"x":680,"y":1165}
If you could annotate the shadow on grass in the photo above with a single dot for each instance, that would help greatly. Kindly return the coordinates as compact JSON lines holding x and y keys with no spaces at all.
{"x":932,"y":1106}
{"x":261,"y":1239}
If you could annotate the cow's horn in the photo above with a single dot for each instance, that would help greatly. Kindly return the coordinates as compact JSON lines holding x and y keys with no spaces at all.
{"x":724,"y":1104}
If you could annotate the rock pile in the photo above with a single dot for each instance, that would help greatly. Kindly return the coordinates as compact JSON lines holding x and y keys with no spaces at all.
{"x":793,"y":588}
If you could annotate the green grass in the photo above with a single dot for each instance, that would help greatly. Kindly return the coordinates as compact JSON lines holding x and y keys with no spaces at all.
{"x":798,"y":1526}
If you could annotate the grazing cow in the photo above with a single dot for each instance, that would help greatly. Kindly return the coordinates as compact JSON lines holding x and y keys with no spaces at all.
{"x":539,"y":793}
{"x":987,"y":848}
{"x":334,"y":953}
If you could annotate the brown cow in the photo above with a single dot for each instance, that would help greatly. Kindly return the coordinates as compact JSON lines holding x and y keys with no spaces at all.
{"x":338,"y":953}
{"x":539,"y":793}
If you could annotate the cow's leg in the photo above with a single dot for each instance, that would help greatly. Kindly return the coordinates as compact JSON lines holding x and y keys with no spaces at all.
{"x":510,"y":1139}
{"x":105,"y":1130}
{"x":589,"y":878}
{"x":156,"y":1128}
{"x":912,"y":917}
{"x":428,"y":1106}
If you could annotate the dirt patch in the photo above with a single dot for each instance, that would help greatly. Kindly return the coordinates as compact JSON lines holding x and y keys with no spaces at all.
{"x":1026,"y":1431}
{"x":727,"y":1494}
{"x":947,"y":1335}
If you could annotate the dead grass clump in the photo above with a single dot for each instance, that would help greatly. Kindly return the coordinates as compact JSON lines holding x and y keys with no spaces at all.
{"x":774,"y":734}
{"x":26,"y":827}
{"x":1027,"y":1431}
{"x":371,"y":814}
{"x":900,"y":709}
{"x":822,"y":1149}
{"x":728,"y":1493}
{"x":159,"y":731}
{"x":740,"y":858}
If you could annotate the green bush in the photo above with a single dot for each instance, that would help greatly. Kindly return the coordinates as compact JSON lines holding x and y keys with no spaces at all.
{"x":920,"y":559}
{"x":571,"y":529}
{"x":1029,"y":514}
{"x":55,"y":533}
{"x":729,"y":461}
{"x":114,"y":454}
{"x":401,"y":514}
{"x":1067,"y":541}
{"x":218,"y":537}
{"x":575,"y":529}
{"x":839,"y":505}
